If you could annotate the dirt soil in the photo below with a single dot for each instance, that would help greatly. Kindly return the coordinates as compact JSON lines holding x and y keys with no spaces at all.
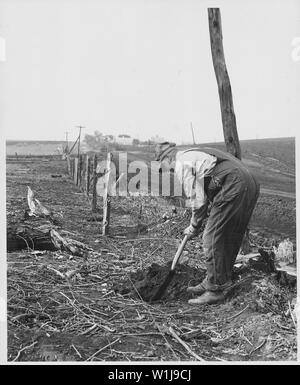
{"x":146,"y":282}
{"x":95,"y":307}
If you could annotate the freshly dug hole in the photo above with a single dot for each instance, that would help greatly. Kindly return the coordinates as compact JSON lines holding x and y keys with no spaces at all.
{"x":147,"y":282}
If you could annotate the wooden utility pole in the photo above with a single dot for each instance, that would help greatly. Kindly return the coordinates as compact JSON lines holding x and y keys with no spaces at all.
{"x":80,"y":127}
{"x":78,"y":155}
{"x":193,"y":133}
{"x":225,"y":94}
{"x":67,"y":141}
{"x":224,"y":87}
{"x":74,"y":144}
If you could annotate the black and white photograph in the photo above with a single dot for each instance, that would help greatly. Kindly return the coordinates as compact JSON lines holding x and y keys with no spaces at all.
{"x":149,"y":184}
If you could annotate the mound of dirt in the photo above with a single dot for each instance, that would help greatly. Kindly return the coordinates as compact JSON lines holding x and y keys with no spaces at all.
{"x":147,"y":282}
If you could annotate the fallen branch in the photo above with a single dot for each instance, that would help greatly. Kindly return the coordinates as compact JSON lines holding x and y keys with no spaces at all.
{"x":61,"y":275}
{"x":258,"y":347}
{"x":77,"y":352}
{"x":22,"y":350}
{"x":26,"y":236}
{"x":173,"y":333}
{"x":292,"y":316}
{"x":236,"y":315}
{"x":100,"y":350}
{"x":93,"y":327}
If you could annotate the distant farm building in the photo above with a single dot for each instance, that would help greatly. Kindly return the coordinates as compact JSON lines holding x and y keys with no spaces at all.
{"x":124,"y":139}
{"x":157,"y":139}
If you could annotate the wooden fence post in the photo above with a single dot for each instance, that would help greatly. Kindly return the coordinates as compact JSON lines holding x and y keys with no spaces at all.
{"x":82,"y":169}
{"x":106,"y":197}
{"x":72,"y":168}
{"x":75,"y":170}
{"x":94,"y":200}
{"x":68,"y":165}
{"x":83,"y":184}
{"x":87,"y":175}
{"x":78,"y":170}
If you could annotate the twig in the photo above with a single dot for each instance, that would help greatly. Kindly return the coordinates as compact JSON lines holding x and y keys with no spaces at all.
{"x":71,"y":302}
{"x":146,"y":239}
{"x":220,"y":359}
{"x":247,"y":340}
{"x":28,"y":248}
{"x":56,"y":271}
{"x":284,"y":327}
{"x":292,"y":316}
{"x":258,"y":347}
{"x":100,"y":350}
{"x":140,"y":334}
{"x":22,"y":350}
{"x":236,"y":315}
{"x":77,"y":352}
{"x":153,"y":252}
{"x":226,"y":319}
{"x":173,"y":333}
{"x":89,"y":329}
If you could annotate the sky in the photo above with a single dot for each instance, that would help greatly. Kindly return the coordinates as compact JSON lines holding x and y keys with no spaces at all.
{"x":144,"y":68}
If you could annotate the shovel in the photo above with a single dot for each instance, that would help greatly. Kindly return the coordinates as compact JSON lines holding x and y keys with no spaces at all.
{"x":160,"y":292}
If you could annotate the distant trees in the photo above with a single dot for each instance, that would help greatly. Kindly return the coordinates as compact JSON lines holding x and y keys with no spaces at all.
{"x":94,"y":142}
{"x":98,"y":142}
{"x":148,"y":142}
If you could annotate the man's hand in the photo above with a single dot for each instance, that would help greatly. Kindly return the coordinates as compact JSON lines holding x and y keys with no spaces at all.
{"x":191,"y":231}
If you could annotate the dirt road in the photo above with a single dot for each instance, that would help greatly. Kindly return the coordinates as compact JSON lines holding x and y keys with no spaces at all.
{"x":283,"y":194}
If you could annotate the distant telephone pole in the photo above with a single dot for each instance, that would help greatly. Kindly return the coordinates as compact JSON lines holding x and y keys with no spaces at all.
{"x":193,"y":134}
{"x":67,"y":141}
{"x":80,"y":127}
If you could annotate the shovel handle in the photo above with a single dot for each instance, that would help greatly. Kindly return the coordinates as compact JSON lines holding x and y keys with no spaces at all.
{"x":179,"y":252}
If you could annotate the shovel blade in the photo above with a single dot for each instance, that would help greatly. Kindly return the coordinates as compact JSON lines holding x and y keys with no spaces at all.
{"x":161,"y":291}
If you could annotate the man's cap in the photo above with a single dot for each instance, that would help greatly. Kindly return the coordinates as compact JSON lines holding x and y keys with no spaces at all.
{"x":163,"y":149}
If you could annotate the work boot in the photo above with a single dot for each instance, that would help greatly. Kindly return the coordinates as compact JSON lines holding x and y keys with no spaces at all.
{"x":198,"y":289}
{"x":209,"y":297}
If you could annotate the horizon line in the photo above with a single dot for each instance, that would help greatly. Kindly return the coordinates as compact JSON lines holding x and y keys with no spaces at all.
{"x":199,"y":143}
